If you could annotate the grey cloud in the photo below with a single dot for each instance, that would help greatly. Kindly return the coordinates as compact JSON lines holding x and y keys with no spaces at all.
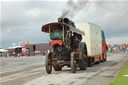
{"x":111,"y":16}
{"x":13,"y":12}
{"x":18,"y":23}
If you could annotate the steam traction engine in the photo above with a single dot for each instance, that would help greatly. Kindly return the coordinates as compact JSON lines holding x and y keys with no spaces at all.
{"x":68,"y":50}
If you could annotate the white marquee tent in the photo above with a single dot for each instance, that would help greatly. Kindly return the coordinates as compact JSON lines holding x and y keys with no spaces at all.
{"x":3,"y":52}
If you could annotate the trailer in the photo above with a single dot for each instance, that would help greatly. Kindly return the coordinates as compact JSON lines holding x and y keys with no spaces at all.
{"x":95,"y":41}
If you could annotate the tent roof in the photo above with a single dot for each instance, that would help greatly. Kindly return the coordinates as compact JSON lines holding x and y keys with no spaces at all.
{"x":3,"y":50}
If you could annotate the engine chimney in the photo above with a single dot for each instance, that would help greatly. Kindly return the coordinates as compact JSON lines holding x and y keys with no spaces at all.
{"x":60,"y":20}
{"x":67,"y":21}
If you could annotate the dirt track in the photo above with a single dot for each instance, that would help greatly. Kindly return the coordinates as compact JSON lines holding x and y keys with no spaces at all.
{"x":99,"y":74}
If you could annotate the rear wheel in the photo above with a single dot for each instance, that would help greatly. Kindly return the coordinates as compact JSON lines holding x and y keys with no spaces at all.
{"x":105,"y":59}
{"x":57,"y":68}
{"x":90,"y":62}
{"x":82,"y":64}
{"x":48,"y":63}
{"x":102,"y":58}
{"x":73,"y":63}
{"x":83,"y":55}
{"x":98,"y":62}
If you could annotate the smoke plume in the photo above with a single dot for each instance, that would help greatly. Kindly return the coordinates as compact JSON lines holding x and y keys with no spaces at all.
{"x":73,"y":7}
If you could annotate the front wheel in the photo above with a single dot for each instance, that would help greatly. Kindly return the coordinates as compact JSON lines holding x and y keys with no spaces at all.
{"x":48,"y":63}
{"x":57,"y":68}
{"x":73,"y":63}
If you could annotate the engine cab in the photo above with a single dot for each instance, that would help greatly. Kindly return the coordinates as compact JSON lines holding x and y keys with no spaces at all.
{"x":68,"y":50}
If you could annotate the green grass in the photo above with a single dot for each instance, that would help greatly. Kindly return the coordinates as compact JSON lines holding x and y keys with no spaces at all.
{"x":120,"y":79}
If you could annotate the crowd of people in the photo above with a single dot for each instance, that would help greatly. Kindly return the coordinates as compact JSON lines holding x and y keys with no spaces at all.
{"x":117,"y":48}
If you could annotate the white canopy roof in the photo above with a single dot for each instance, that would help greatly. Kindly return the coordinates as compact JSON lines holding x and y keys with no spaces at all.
{"x":3,"y":50}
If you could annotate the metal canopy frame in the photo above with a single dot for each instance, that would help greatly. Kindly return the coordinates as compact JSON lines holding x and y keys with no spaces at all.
{"x":46,"y":27}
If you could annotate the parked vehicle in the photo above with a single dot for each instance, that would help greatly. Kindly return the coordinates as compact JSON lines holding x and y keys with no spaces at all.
{"x":15,"y":51}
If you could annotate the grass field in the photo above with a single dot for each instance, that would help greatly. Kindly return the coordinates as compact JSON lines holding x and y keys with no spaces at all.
{"x":120,"y":79}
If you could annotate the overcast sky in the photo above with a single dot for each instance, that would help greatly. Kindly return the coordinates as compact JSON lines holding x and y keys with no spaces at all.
{"x":23,"y":19}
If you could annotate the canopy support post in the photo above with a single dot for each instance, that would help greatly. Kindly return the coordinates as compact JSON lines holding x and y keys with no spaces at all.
{"x":63,"y":31}
{"x":49,"y":32}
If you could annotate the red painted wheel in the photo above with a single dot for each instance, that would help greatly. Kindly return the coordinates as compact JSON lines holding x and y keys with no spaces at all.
{"x":48,"y":63}
{"x":105,"y":57}
{"x":73,"y":63}
{"x":57,"y":68}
